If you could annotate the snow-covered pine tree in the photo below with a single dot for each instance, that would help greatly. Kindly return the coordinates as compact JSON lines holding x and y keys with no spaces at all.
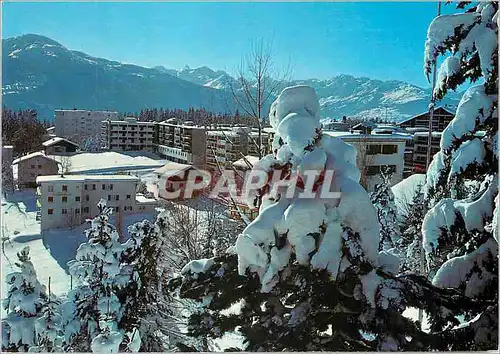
{"x":150,"y":309}
{"x":24,"y":302}
{"x":457,"y":235}
{"x":93,"y":311}
{"x":48,"y":327}
{"x":305,"y":274}
{"x":410,"y":242}
{"x":383,"y":200}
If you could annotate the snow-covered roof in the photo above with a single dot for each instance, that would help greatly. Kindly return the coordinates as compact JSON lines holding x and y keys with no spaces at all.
{"x":181,"y":125}
{"x":241,"y":162}
{"x":434,"y":134}
{"x":83,"y":178}
{"x":56,"y":140}
{"x":422,"y":113}
{"x":109,"y":161}
{"x":172,"y":169}
{"x":268,"y":130}
{"x":359,"y":136}
{"x":141,"y":199}
{"x":33,"y":155}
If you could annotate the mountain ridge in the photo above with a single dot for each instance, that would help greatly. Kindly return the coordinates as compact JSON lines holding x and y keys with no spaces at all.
{"x":40,"y":73}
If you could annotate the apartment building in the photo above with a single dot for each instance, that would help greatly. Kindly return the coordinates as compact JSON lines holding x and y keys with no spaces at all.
{"x":442,"y":117}
{"x":70,"y":200}
{"x":78,"y":125}
{"x":376,"y":150}
{"x":127,"y":135}
{"x":253,"y":143}
{"x":182,"y":143}
{"x":33,"y":165}
{"x":226,"y":146}
{"x":420,"y":148}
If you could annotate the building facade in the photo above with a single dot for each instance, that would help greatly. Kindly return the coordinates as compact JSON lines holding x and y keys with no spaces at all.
{"x":79,"y":125}
{"x":127,"y":135}
{"x":420,"y":148}
{"x":33,"y":165}
{"x":442,"y":117}
{"x":70,"y":200}
{"x":226,"y":146}
{"x":375,"y":151}
{"x":182,"y":143}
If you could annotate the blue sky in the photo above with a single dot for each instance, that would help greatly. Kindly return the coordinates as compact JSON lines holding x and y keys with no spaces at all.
{"x":321,"y":40}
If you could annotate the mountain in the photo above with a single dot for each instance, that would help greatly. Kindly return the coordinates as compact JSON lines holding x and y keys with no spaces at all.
{"x":345,"y":95}
{"x":40,"y":73}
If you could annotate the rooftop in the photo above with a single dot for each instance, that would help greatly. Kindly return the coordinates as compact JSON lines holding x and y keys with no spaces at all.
{"x":141,"y":199}
{"x":32,"y":155}
{"x":372,"y":136}
{"x":56,"y":140}
{"x":420,"y":114}
{"x":83,"y":178}
{"x":112,"y":161}
{"x":241,"y":162}
{"x":173,"y":169}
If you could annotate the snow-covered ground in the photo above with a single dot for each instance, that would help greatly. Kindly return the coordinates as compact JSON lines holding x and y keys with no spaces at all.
{"x":49,"y":251}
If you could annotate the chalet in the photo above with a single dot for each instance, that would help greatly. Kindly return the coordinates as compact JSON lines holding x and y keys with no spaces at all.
{"x":59,"y":146}
{"x":30,"y":166}
{"x":173,"y":178}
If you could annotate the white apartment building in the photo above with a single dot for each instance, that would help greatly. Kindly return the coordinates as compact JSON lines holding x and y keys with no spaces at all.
{"x":127,"y":135}
{"x":375,"y":151}
{"x":182,"y":143}
{"x":70,"y":200}
{"x":78,"y":125}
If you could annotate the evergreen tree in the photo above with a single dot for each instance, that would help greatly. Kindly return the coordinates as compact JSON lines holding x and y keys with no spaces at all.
{"x":48,"y":328}
{"x":305,"y":274}
{"x":93,"y":311}
{"x":383,"y":200}
{"x":457,"y":235}
{"x":410,"y":242}
{"x":24,"y":303}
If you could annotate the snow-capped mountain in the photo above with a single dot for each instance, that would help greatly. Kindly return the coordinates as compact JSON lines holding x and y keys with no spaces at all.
{"x":40,"y":73}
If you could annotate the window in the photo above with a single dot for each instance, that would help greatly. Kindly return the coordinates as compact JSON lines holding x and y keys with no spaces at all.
{"x":373,"y":149}
{"x":103,"y":187}
{"x":77,"y":199}
{"x":39,"y":166}
{"x":86,"y":209}
{"x":32,"y":174}
{"x":109,"y":197}
{"x":86,"y":187}
{"x":389,"y":149}
{"x":64,"y":199}
{"x":77,"y":211}
{"x":110,"y":187}
{"x":128,"y":196}
{"x":117,"y":209}
{"x":87,"y":198}
{"x":50,"y":189}
{"x":50,"y":199}
{"x":93,"y":187}
{"x":50,"y":211}
{"x":117,"y":197}
{"x":64,"y":188}
{"x":32,"y":166}
{"x":64,"y":211}
{"x":372,"y":170}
